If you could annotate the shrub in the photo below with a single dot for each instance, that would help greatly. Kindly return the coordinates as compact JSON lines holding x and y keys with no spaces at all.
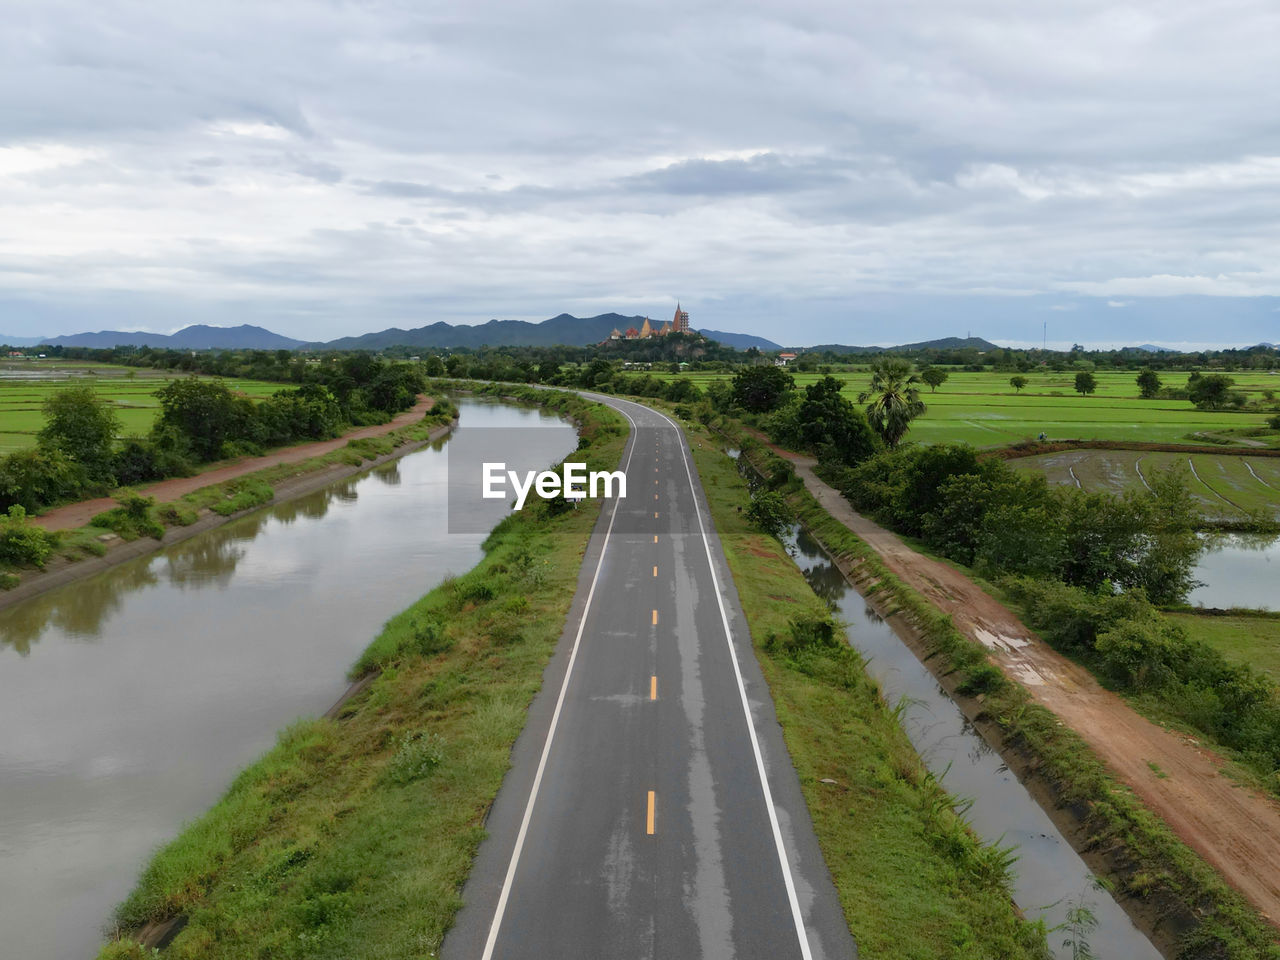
{"x":430,"y":637}
{"x":23,"y":544}
{"x":417,"y":756}
{"x":132,"y":519}
{"x":769,"y":512}
{"x":808,"y":633}
{"x":173,"y":515}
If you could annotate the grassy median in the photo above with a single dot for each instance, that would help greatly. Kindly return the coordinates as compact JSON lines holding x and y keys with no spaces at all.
{"x":353,"y":836}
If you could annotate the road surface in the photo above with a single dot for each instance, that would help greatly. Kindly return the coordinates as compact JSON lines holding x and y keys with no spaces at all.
{"x":651,"y":809}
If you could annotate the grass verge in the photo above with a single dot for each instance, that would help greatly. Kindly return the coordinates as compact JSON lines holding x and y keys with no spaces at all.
{"x":353,"y":835}
{"x":914,"y":880}
{"x":1196,"y":913}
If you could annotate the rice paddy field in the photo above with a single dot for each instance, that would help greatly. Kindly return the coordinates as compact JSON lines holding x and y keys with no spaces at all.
{"x":25,"y":384}
{"x":1223,"y":484}
{"x":984,"y":410}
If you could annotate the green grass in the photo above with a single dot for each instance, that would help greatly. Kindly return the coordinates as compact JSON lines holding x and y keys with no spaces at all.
{"x":1246,"y":639}
{"x":26,"y":384}
{"x":1145,"y":859}
{"x":914,"y":881}
{"x":352,"y":837}
{"x":983,"y":410}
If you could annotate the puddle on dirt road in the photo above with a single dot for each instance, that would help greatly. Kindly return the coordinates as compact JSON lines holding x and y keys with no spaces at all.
{"x":1049,"y":878}
{"x":128,"y":700}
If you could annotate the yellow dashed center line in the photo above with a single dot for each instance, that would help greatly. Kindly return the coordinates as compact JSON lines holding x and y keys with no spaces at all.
{"x":655,"y":618}
{"x":655,"y":538}
{"x":653,"y":688}
{"x":655,"y":571}
{"x":648,"y":820}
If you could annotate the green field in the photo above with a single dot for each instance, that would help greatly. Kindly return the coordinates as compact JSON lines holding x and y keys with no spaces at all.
{"x":1223,"y":485}
{"x":1251,"y":640}
{"x":983,"y":410}
{"x":25,"y":384}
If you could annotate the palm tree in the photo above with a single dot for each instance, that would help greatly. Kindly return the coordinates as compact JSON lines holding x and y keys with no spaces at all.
{"x":893,"y":398}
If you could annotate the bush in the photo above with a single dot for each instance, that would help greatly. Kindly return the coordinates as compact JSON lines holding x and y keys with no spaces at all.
{"x":430,"y":638}
{"x":173,"y":515}
{"x":21,"y":544}
{"x":418,"y":755}
{"x":806,"y":634}
{"x":769,"y":512}
{"x":132,"y":519}
{"x":35,"y":478}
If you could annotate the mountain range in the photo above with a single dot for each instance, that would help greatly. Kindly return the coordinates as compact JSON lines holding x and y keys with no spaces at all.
{"x":562,"y":329}
{"x":197,"y":337}
{"x":945,"y":343}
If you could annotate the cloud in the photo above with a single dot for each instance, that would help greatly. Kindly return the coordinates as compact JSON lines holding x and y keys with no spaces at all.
{"x":396,"y":165}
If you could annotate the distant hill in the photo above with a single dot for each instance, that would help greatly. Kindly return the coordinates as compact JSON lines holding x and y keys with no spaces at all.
{"x":1149,"y":348}
{"x":563,"y":329}
{"x":741,"y":341}
{"x":197,"y":337}
{"x":946,"y":343}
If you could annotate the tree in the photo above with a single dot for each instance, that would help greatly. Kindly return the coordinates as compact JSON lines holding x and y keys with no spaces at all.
{"x":934,"y":377}
{"x":823,"y":421}
{"x":433,"y":366}
{"x":1018,"y":383}
{"x":1209,"y":392}
{"x":761,"y":388}
{"x":892,"y":398}
{"x":1148,"y":384}
{"x":205,"y":412}
{"x":1086,"y":383}
{"x":82,"y":426}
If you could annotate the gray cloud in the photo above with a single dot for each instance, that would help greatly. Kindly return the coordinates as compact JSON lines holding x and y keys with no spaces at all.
{"x":335,"y":167}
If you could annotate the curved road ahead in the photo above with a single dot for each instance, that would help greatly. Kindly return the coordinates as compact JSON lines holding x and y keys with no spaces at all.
{"x":651,"y":810}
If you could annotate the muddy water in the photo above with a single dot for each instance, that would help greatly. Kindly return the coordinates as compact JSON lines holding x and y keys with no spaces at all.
{"x":1049,"y":877}
{"x":1238,"y":570}
{"x":130,"y":699}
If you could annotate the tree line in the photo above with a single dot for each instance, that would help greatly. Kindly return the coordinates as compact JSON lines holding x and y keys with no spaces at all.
{"x":79,"y":451}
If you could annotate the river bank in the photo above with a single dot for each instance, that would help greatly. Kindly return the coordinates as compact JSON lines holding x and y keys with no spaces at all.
{"x":358,"y":827}
{"x":309,"y":475}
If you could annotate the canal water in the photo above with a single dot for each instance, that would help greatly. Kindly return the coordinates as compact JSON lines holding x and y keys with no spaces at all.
{"x":1238,"y":570}
{"x":129,"y":700}
{"x":1049,"y":876}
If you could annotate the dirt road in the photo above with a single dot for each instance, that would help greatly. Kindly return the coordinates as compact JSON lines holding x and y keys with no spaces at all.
{"x":78,"y":514}
{"x":1235,"y":829}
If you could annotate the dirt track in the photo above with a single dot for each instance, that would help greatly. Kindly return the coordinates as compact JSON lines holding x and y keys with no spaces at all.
{"x":1235,"y":829}
{"x":78,"y":514}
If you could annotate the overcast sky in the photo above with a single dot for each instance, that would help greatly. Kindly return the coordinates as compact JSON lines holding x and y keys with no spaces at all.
{"x":847,"y":172}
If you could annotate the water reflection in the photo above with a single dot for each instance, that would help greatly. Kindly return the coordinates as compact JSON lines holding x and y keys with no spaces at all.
{"x":129,"y":699}
{"x":1238,"y":570}
{"x":1048,"y":874}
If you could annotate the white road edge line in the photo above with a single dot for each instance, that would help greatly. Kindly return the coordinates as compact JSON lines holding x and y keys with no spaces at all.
{"x":501,"y":908}
{"x":783,"y":860}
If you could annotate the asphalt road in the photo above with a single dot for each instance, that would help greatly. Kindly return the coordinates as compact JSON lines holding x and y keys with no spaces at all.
{"x":651,"y":809}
